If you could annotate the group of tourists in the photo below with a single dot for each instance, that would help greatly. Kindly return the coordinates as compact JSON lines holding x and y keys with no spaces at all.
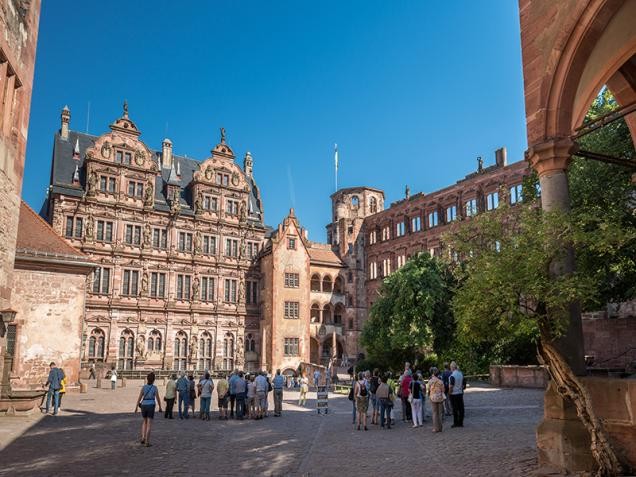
{"x":380,"y":392}
{"x":240,"y":395}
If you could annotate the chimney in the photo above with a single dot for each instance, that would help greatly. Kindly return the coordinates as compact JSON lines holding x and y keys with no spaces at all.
{"x":66,"y":119}
{"x":247,"y":164}
{"x":501,"y":157}
{"x":166,"y":154}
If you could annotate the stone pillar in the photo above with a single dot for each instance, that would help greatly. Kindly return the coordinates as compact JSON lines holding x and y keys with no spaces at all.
{"x":334,"y":345}
{"x":551,"y":159}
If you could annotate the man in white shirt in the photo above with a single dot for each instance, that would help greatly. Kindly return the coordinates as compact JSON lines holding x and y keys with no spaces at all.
{"x":262,"y":386}
{"x":456,"y":390}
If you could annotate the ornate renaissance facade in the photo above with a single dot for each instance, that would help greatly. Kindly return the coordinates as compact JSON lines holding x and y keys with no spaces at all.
{"x":175,"y":243}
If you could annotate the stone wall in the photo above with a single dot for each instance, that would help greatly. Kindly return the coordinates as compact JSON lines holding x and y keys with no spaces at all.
{"x":611,"y":341}
{"x":50,"y":308}
{"x":518,"y":376}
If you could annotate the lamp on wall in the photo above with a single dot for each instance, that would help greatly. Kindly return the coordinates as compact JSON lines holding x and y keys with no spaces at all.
{"x":6,"y":316}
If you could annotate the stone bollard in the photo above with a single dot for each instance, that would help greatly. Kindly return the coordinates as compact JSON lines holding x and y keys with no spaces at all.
{"x":98,"y":382}
{"x":123,"y":382}
{"x":83,"y":388}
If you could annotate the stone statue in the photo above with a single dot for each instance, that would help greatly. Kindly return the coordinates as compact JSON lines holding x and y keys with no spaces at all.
{"x":141,"y":346}
{"x":480,"y":164}
{"x":195,"y":289}
{"x":175,"y":202}
{"x":90,"y":228}
{"x":242,"y":212}
{"x":144,"y":282}
{"x":242,"y":292}
{"x":149,"y":194}
{"x":407,"y":192}
{"x":222,"y":135}
{"x":92,"y":183}
{"x":197,"y":242}
{"x":198,"y":204}
{"x":147,"y":235}
{"x":193,"y":348}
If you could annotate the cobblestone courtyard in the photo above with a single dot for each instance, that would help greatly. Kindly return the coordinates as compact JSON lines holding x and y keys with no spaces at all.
{"x":96,"y":434}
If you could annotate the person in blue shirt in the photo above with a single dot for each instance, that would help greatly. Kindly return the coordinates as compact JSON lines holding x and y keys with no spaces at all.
{"x":54,"y":382}
{"x":183,"y":388}
{"x":448,"y":410}
{"x":278,"y":383}
{"x":232,"y":384}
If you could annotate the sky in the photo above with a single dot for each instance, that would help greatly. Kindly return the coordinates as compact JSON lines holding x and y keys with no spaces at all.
{"x":411,"y":91}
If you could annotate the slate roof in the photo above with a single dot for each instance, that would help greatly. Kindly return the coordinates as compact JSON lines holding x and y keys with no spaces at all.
{"x":63,"y":167}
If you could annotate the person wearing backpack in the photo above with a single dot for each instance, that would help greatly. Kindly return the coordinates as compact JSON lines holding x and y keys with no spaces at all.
{"x":361,"y":394}
{"x":374,"y":382}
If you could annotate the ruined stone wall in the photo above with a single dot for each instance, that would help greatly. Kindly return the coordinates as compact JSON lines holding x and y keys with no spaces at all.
{"x":611,"y":341}
{"x":50,"y":308}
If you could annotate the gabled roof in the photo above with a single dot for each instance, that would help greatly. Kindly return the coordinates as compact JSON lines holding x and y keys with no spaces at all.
{"x":321,"y":255}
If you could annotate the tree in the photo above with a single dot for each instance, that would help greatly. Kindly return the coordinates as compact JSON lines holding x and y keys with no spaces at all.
{"x":412,"y":316}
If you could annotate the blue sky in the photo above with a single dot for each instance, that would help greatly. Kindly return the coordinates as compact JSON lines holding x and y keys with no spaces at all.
{"x":412,"y":91}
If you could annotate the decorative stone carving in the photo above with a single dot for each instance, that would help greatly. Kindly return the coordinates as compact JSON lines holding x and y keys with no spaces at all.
{"x":241,"y":291}
{"x":193,"y":348}
{"x":90,"y":229}
{"x":141,"y":346}
{"x":139,"y":158}
{"x":198,"y":203}
{"x":175,"y":202}
{"x":149,"y":194}
{"x":147,"y":235}
{"x":235,"y":178}
{"x":195,"y":288}
{"x":144,"y":283}
{"x":197,"y":242}
{"x":209,"y":173}
{"x":106,"y":150}
{"x":92,"y":184}
{"x":242,"y":212}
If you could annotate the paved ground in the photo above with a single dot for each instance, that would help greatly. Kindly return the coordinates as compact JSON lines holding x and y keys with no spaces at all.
{"x":96,"y":434}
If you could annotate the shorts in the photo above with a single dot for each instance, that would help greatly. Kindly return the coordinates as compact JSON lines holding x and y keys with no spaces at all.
{"x":362,"y":403}
{"x":223,"y":402}
{"x":148,"y":411}
{"x":375,"y":402}
{"x":261,"y":399}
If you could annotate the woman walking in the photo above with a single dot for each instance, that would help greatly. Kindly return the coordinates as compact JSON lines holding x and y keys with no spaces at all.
{"x":146,"y":401}
{"x":304,"y":388}
{"x":361,"y":394}
{"x":436,"y":394}
{"x":416,"y":400}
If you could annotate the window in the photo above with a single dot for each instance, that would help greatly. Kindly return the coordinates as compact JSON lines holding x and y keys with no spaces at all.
{"x":123,"y":157}
{"x":101,"y":281}
{"x":107,"y":184}
{"x":205,"y":351}
{"x":12,"y":335}
{"x":209,"y":245}
{"x":399,"y":229}
{"x":183,"y":287}
{"x":451,"y":213}
{"x":386,"y":267}
{"x":74,"y":226}
{"x":228,"y":352}
{"x":292,"y":310}
{"x":130,"y":283}
{"x":185,"y":242}
{"x":180,"y":351}
{"x":373,"y":270}
{"x":157,"y":285}
{"x":96,"y":344}
{"x":252,"y":249}
{"x":327,"y":284}
{"x":135,"y":189}
{"x":401,"y":260}
{"x":230,"y":290}
{"x":104,"y":231}
{"x":373,"y":205}
{"x":373,"y":237}
{"x":291,"y":243}
{"x":231,"y":247}
{"x":250,"y":343}
{"x":160,"y":238}
{"x":291,"y":346}
{"x":231,"y":207}
{"x":207,"y":289}
{"x":416,"y":224}
{"x":154,"y":342}
{"x":386,"y":233}
{"x":210,"y":203}
{"x":471,"y":207}
{"x":433,"y":220}
{"x":222,"y":179}
{"x":292,"y":280}
{"x":492,"y":201}
{"x":133,"y":234}
{"x":516,"y":194}
{"x":126,"y":350}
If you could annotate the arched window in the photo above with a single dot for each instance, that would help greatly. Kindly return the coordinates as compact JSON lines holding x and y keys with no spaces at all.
{"x":338,"y":286}
{"x":338,"y":314}
{"x":205,"y":351}
{"x":327,"y":284}
{"x":250,"y":343}
{"x":355,"y":202}
{"x":96,"y":343}
{"x":228,"y":352}
{"x":326,"y":314}
{"x":180,"y":351}
{"x":373,"y":205}
{"x":315,"y":283}
{"x":315,"y":313}
{"x":126,"y":350}
{"x":151,"y":344}
{"x":154,"y":342}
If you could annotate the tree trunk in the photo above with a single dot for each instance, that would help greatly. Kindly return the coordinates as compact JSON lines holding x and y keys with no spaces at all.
{"x":569,"y":387}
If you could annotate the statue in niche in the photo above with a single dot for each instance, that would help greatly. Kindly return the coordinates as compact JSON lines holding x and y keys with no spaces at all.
{"x":241,"y":291}
{"x":141,"y":346}
{"x":144,"y":282}
{"x":198,"y":203}
{"x":92,"y":184}
{"x":195,"y":288}
{"x":90,"y":228}
{"x":209,"y":173}
{"x":147,"y":235}
{"x":242,"y":213}
{"x":149,"y":193}
{"x":175,"y":202}
{"x":193,"y":348}
{"x":197,"y":242}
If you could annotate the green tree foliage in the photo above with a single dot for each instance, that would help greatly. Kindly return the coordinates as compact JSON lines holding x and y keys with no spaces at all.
{"x":412,"y":317}
{"x":603,"y":193}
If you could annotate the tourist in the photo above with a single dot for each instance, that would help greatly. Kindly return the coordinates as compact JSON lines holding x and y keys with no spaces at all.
{"x":62,"y":388}
{"x":113,"y":378}
{"x":405,"y":386}
{"x":456,"y":392}
{"x":448,"y":410}
{"x":384,"y":396}
{"x":183,"y":388}
{"x":240,"y":387}
{"x":436,"y":395}
{"x":192,"y":393}
{"x":91,"y":371}
{"x":361,"y":395}
{"x":423,"y":386}
{"x":316,"y":377}
{"x":146,"y":401}
{"x":390,"y":382}
{"x":171,"y":394}
{"x":232,"y":383}
{"x":54,"y":382}
{"x":207,"y":385}
{"x":304,"y":388}
{"x":250,"y":402}
{"x":374,"y":382}
{"x":269,"y":390}
{"x":222,"y":389}
{"x":352,"y":398}
{"x":262,"y":387}
{"x":415,"y":397}
{"x":278,"y":384}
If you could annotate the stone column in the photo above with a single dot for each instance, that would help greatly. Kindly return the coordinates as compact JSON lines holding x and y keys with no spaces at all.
{"x":551,"y":159}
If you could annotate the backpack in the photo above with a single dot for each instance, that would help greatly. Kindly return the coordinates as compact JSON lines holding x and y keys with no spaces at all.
{"x":363,"y":390}
{"x":374,"y":385}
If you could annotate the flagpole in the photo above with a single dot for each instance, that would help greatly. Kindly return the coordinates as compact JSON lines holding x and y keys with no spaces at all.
{"x":336,"y":163}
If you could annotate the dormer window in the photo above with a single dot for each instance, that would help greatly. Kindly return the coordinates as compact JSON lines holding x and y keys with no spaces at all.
{"x":222,"y":179}
{"x":123,"y":157}
{"x":291,"y":243}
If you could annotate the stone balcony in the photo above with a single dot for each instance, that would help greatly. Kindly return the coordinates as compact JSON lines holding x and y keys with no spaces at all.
{"x":321,"y":331}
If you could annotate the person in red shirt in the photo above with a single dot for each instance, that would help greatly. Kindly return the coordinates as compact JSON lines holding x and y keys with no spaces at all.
{"x":405,"y":385}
